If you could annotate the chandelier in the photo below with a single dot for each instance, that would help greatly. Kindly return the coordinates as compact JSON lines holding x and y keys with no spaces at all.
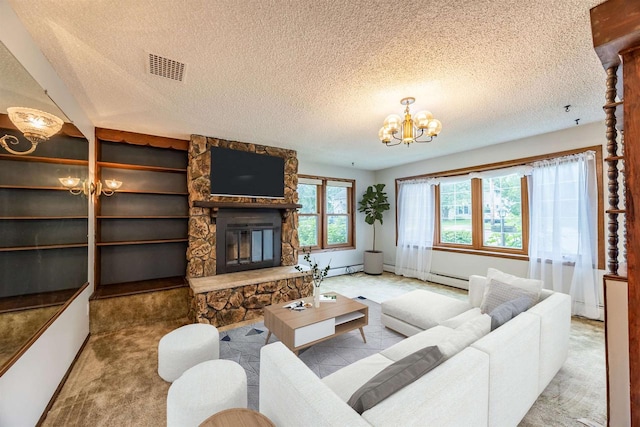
{"x":411,"y":128}
{"x":36,"y":126}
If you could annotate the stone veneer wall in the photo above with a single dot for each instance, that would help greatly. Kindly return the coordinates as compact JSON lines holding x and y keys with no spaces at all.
{"x":227,"y":306}
{"x":201,"y":253}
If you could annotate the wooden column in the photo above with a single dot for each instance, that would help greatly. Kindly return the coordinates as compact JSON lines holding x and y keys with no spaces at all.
{"x":631,"y":77}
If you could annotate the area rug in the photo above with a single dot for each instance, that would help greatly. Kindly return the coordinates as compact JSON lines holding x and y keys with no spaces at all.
{"x":242,"y":345}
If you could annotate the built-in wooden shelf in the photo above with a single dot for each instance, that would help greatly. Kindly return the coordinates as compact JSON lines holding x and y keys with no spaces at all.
{"x":40,"y":300}
{"x":141,"y":242}
{"x":615,"y":211}
{"x":138,"y":287}
{"x":141,"y":167}
{"x":145,"y":217}
{"x":55,"y":160}
{"x":613,"y":104}
{"x":169,"y":193}
{"x":28,"y":218}
{"x":43,"y":247}
{"x":32,"y":187}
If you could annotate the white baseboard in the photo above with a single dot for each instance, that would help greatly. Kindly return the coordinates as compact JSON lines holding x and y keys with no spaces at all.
{"x":349,"y":269}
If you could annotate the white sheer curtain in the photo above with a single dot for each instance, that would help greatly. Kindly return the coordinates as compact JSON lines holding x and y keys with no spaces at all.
{"x":563,"y":231}
{"x":416,"y":211}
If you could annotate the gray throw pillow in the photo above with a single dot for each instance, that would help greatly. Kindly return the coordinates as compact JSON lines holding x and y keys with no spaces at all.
{"x":508,"y":310}
{"x":498,"y":293}
{"x":394,"y":377}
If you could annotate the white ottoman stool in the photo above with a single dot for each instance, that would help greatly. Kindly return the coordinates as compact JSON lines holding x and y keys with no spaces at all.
{"x":205,"y":389}
{"x":185,"y":347}
{"x":419,"y":310}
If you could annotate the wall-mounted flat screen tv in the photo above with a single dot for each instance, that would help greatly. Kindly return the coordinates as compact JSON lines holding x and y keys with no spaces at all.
{"x":240,"y":173}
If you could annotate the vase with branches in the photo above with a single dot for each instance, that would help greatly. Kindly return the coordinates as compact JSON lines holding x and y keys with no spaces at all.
{"x":317,"y":274}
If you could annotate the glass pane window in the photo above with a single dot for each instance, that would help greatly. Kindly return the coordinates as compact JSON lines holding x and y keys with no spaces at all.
{"x":455,"y":213}
{"x":308,"y":198}
{"x":502,"y":212}
{"x":337,"y":200}
{"x":337,"y":229}
{"x":308,"y":230}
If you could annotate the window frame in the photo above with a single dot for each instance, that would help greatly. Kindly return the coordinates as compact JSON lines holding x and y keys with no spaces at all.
{"x":477,"y":223}
{"x":323,"y":216}
{"x":496,"y":251}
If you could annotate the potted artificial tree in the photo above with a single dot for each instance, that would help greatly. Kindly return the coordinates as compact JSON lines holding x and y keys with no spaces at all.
{"x":374,"y":203}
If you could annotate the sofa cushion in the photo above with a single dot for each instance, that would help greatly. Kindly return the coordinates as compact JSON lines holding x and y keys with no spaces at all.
{"x":498,"y":293}
{"x":345,"y":381}
{"x":423,"y":309}
{"x":465,"y":335}
{"x":508,"y":310}
{"x":461,"y":318}
{"x":433,"y":336}
{"x":395,"y":377}
{"x":531,"y":285}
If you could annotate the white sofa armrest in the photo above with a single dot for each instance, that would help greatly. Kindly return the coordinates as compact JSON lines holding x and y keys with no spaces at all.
{"x":292,"y":395}
{"x":477,"y":285}
{"x":554,"y":313}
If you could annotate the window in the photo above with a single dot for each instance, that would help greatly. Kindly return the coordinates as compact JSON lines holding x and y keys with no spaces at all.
{"x":325,"y":220}
{"x":482,"y":212}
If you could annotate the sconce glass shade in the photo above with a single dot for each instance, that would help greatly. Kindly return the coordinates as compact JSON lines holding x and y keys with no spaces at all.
{"x":421,"y":119}
{"x":36,"y":126}
{"x":69,"y":182}
{"x":113,"y":184}
{"x":393,"y":123}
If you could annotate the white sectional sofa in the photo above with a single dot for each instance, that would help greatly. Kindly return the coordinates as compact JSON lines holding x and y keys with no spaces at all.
{"x":490,"y":381}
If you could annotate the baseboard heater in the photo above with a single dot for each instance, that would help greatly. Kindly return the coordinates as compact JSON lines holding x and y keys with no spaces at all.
{"x":449,"y":280}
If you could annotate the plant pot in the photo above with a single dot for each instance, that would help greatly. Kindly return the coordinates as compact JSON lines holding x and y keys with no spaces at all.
{"x":373,"y":261}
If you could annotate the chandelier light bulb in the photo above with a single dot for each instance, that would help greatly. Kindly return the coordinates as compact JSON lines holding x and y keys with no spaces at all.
{"x":113,"y":184}
{"x":434,"y":127}
{"x":393,"y":123}
{"x":384,"y":135}
{"x":69,"y":182}
{"x":421,"y":119}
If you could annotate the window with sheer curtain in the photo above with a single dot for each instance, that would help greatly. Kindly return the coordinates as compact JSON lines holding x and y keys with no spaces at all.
{"x":564,"y":229}
{"x":416,"y":213}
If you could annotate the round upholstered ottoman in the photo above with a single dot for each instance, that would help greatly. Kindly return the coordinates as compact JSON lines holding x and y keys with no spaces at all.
{"x":185,"y":347}
{"x":205,"y":389}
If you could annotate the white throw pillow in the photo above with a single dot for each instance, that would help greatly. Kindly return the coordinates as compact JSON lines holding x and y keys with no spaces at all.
{"x":497,"y":293}
{"x":531,"y":285}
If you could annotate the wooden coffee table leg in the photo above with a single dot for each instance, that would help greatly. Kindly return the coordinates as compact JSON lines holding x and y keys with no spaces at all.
{"x":362,"y":333}
{"x":267,"y":340}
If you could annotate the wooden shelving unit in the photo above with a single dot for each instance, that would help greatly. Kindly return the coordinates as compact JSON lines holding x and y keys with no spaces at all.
{"x":141,"y":231}
{"x":44,"y":228}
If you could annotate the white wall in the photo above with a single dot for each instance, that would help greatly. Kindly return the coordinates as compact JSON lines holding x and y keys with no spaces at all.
{"x":463,"y":265}
{"x":27,"y":387}
{"x":343,"y":258}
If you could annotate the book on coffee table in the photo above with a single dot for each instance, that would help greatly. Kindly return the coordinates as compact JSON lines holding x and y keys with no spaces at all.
{"x":328,"y":297}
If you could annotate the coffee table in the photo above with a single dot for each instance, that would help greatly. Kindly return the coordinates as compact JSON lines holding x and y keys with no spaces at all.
{"x":301,"y":329}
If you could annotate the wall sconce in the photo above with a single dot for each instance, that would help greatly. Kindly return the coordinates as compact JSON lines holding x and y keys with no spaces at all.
{"x":36,"y":126}
{"x":108,"y":189}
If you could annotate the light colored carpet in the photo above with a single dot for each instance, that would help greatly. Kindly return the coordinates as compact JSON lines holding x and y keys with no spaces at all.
{"x":115,"y":380}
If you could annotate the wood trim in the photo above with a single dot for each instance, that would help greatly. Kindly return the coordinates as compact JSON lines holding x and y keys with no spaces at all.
{"x":55,"y":160}
{"x":141,"y":242}
{"x":43,"y":247}
{"x":504,"y":164}
{"x":471,"y":251}
{"x":62,"y":382}
{"x":40,"y":331}
{"x":614,"y":28}
{"x":113,"y":165}
{"x":631,"y":73}
{"x":113,"y":135}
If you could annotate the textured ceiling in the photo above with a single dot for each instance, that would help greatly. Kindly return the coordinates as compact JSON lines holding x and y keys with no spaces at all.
{"x":320,"y":76}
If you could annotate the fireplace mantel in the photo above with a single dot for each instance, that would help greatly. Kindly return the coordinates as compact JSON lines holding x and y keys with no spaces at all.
{"x":284,"y":208}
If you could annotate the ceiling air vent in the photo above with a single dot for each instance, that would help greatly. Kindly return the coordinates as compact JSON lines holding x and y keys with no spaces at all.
{"x":165,"y":67}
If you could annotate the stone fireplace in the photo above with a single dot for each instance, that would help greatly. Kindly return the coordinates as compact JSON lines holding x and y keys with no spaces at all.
{"x":241,"y":249}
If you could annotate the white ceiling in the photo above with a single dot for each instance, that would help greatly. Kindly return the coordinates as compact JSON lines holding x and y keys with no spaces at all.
{"x":320,"y":76}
